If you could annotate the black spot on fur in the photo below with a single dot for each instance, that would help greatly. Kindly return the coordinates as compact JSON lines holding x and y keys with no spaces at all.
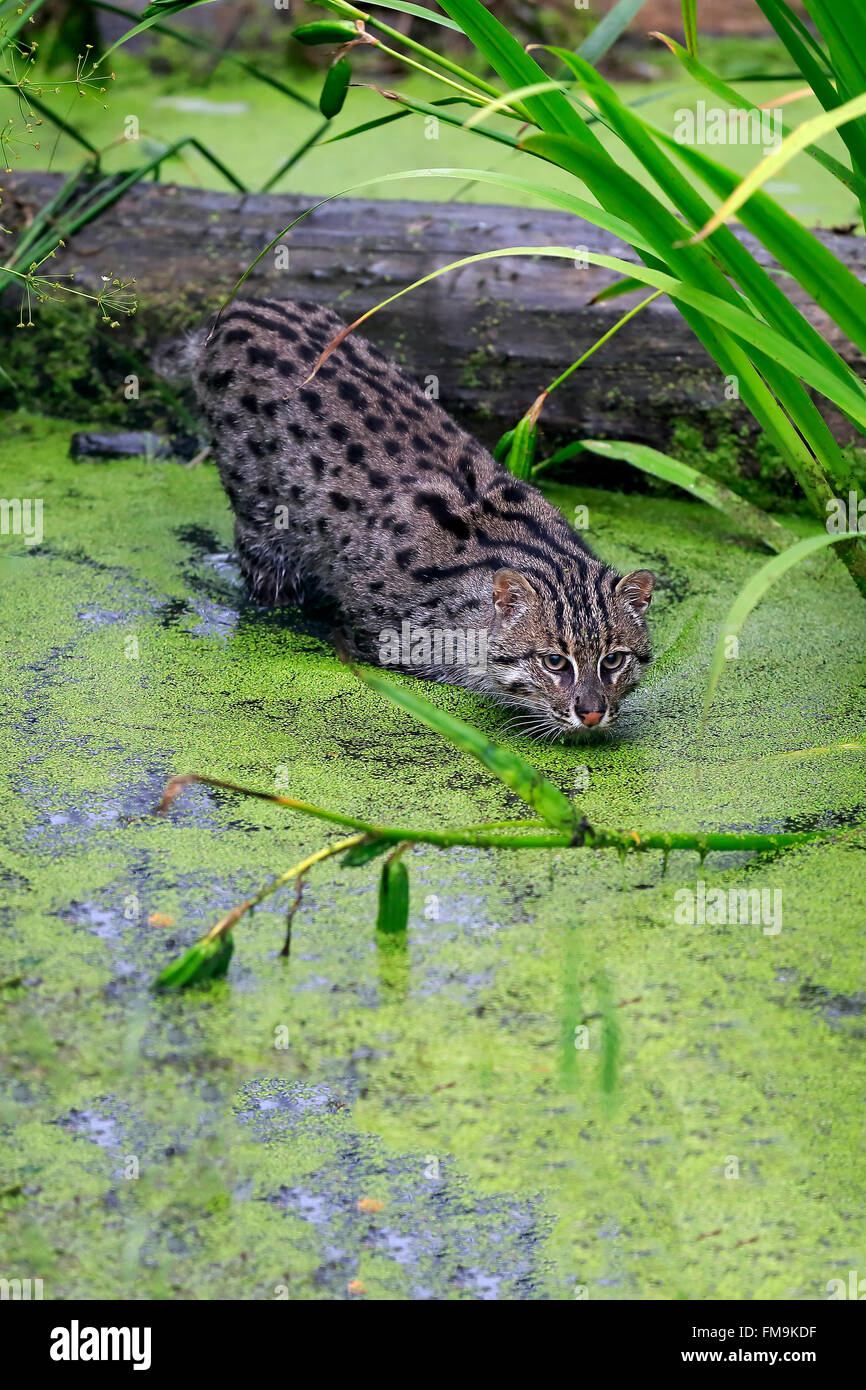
{"x":338,"y":431}
{"x":442,"y":514}
{"x":249,"y":402}
{"x":355,"y":453}
{"x":246,"y":315}
{"x":218,"y":381}
{"x":312,"y":400}
{"x":339,"y":501}
{"x":350,"y":352}
{"x":348,"y":391}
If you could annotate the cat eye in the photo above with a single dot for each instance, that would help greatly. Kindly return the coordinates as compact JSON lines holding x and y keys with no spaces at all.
{"x":553,"y":661}
{"x":613,"y":661}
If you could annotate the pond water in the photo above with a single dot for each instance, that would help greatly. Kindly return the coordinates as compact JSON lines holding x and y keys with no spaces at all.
{"x":253,"y":129}
{"x":557,"y":1088}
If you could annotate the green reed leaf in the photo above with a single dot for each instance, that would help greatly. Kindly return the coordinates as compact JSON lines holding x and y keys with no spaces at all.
{"x":393,"y":911}
{"x":609,"y":28}
{"x":517,"y":774}
{"x":159,"y":9}
{"x":822,"y":275}
{"x":799,"y":139}
{"x":502,"y":446}
{"x":418,"y":11}
{"x":752,"y":593}
{"x":749,"y":518}
{"x":365,"y":852}
{"x":206,"y":960}
{"x":549,"y":110}
{"x":690,"y":25}
{"x":521,"y":449}
{"x":627,"y":285}
{"x":738,"y":101}
{"x":204,"y":45}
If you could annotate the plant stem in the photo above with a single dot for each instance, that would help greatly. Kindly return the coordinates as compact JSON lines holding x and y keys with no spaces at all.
{"x":587,"y":837}
{"x":431,"y":57}
{"x":609,"y":334}
{"x":226,"y":923}
{"x":420,"y":67}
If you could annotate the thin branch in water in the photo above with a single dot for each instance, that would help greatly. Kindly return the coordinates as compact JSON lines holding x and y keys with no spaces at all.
{"x":290,"y":917}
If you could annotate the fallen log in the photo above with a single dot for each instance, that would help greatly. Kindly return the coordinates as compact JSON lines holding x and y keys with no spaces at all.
{"x":492,"y":335}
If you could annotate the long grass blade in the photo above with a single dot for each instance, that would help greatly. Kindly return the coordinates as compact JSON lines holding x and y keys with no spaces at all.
{"x":393,"y":910}
{"x":743,"y":514}
{"x":304,"y":148}
{"x":690,"y":25}
{"x":768,"y":388}
{"x":773,"y":163}
{"x":152,"y":15}
{"x":609,"y":28}
{"x":517,"y":774}
{"x":849,"y":177}
{"x":550,"y":110}
{"x":752,"y":593}
{"x":822,"y":275}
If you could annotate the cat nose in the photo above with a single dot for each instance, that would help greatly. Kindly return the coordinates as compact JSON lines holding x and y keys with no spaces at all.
{"x":590,"y":705}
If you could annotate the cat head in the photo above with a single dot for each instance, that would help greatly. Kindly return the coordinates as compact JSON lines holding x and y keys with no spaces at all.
{"x":567,"y":659}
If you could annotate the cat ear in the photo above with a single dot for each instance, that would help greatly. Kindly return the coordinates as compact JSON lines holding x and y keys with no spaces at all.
{"x":636,"y":590}
{"x":512,"y":594}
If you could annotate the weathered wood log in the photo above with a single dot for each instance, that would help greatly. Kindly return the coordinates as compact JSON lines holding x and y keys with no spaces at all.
{"x":493,"y":334}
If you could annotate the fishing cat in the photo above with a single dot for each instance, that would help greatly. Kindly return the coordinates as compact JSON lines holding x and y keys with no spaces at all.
{"x":352,"y":486}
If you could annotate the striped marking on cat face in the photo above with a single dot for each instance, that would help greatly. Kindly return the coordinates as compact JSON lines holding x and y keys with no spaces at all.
{"x":568,"y":662}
